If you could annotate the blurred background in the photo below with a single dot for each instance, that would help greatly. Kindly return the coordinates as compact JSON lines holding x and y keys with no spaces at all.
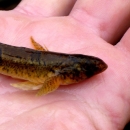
{"x":11,"y":4}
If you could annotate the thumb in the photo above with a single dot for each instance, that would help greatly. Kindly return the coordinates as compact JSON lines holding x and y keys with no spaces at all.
{"x":124,"y":47}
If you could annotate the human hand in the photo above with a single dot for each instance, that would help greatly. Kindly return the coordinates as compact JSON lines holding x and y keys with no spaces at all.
{"x":101,"y":102}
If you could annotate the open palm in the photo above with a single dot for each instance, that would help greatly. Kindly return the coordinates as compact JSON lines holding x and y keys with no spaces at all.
{"x":101,"y":102}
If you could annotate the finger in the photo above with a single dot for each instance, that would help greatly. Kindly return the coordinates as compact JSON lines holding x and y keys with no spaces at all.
{"x":124,"y":47}
{"x":46,"y":7}
{"x":109,"y":19}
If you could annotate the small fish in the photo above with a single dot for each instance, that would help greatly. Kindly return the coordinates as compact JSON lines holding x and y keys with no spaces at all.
{"x":44,"y":70}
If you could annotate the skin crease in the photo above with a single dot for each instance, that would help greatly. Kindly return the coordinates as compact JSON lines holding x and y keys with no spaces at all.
{"x":99,"y":103}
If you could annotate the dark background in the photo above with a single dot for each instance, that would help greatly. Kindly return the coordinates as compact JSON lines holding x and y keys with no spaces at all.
{"x":8,"y":4}
{"x":11,"y":4}
{"x":127,"y":127}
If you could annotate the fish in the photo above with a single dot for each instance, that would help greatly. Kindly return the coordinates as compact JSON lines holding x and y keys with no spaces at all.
{"x":44,"y":70}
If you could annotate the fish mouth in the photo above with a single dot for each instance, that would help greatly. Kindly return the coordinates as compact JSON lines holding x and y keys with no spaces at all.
{"x":102,"y":66}
{"x":98,"y":67}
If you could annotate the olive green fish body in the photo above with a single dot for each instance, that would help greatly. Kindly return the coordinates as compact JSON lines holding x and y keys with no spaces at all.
{"x":41,"y":67}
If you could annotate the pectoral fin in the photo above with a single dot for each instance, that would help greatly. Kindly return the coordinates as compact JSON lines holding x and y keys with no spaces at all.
{"x":27,"y":85}
{"x":49,"y":85}
{"x":37,"y":46}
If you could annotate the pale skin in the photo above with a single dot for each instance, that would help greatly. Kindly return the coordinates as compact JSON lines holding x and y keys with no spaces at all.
{"x":99,"y":103}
